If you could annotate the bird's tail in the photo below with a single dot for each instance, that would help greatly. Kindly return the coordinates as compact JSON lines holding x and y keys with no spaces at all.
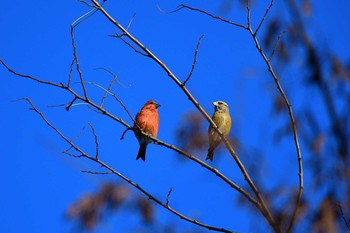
{"x":142,"y":152}
{"x":210,"y":154}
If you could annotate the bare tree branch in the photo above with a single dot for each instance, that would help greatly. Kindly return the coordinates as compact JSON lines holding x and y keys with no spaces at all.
{"x":60,"y":85}
{"x":343,"y":216}
{"x":129,"y":44}
{"x":168,"y":196}
{"x":286,"y":101}
{"x":70,"y":72}
{"x":248,"y":14}
{"x":77,"y":61}
{"x":71,"y":154}
{"x":292,"y":120}
{"x":275,"y":47}
{"x":109,"y":87}
{"x":263,"y":18}
{"x":130,"y":22}
{"x":116,"y":98}
{"x":96,"y":140}
{"x":126,"y":130}
{"x":71,"y":103}
{"x":264,"y":209}
{"x":70,"y":142}
{"x":183,"y":6}
{"x":114,"y":76}
{"x":82,"y":1}
{"x":79,"y":134}
{"x":194,"y":60}
{"x":97,"y":173}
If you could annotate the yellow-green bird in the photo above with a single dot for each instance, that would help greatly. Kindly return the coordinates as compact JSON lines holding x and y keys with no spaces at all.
{"x":222,"y":119}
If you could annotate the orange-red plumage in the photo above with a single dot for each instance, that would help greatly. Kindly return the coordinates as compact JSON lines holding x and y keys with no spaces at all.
{"x":146,"y":120}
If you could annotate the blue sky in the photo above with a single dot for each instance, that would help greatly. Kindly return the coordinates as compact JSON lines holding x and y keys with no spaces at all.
{"x":39,"y":182}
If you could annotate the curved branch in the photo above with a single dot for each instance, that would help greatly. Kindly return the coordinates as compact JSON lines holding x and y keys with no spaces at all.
{"x":263,"y":18}
{"x":96,"y":140}
{"x":183,"y":6}
{"x":343,"y":216}
{"x":292,"y":120}
{"x":280,"y":89}
{"x":194,"y":60}
{"x":60,"y":85}
{"x":77,"y":61}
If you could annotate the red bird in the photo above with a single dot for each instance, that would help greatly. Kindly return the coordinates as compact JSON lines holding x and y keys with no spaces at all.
{"x":148,"y":121}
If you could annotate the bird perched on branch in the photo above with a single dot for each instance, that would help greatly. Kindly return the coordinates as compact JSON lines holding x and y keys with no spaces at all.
{"x":222,"y":119}
{"x":147,"y":120}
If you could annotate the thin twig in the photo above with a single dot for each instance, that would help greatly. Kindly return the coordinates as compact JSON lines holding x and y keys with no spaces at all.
{"x":343,"y":216}
{"x":70,"y":72}
{"x":77,"y":61}
{"x":71,"y":154}
{"x":263,"y":18}
{"x":82,"y":1}
{"x":71,"y":103}
{"x":79,"y":134}
{"x":130,"y":22}
{"x":60,"y":85}
{"x":167,"y":196}
{"x":194,"y":60}
{"x":115,"y":97}
{"x":126,"y":130}
{"x":70,"y":142}
{"x":114,"y":75}
{"x":108,"y":89}
{"x":129,"y":44}
{"x":57,"y":105}
{"x":96,"y":140}
{"x":183,"y":6}
{"x":97,"y":173}
{"x":248,"y":14}
{"x":85,"y":16}
{"x":276,"y":44}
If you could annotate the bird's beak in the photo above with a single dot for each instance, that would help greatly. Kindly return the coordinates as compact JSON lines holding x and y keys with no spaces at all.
{"x":157,"y":105}
{"x":215,"y":103}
